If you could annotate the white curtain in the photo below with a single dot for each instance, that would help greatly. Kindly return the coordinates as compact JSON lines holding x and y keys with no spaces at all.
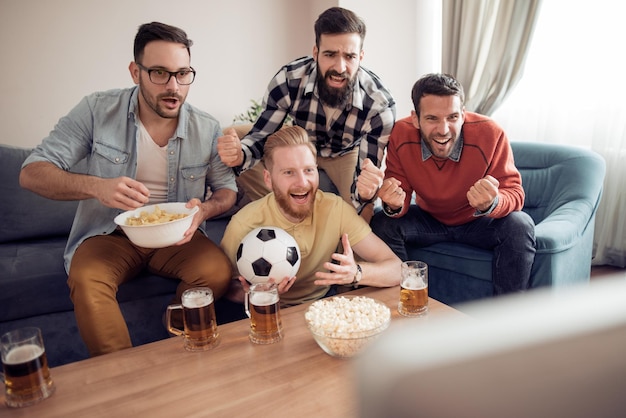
{"x":485,"y":44}
{"x":574,"y":92}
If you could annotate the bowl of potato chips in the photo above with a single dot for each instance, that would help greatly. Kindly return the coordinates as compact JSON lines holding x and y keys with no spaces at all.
{"x":156,"y":226}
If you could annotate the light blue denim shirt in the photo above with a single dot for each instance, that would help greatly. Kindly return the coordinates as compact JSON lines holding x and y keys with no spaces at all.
{"x":101,"y":133}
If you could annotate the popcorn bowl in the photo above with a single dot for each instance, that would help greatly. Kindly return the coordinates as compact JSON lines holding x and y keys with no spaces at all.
{"x":343,"y":326}
{"x":157,"y":235}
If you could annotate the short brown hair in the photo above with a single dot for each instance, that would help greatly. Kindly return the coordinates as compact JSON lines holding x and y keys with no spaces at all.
{"x":157,"y":31}
{"x":338,"y":20}
{"x":288,"y":136}
{"x":436,"y":84}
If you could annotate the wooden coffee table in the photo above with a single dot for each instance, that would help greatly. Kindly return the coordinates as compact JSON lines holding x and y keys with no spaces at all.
{"x":291,"y":378}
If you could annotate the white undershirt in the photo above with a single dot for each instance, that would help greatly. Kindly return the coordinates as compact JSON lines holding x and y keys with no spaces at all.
{"x":152,"y":166}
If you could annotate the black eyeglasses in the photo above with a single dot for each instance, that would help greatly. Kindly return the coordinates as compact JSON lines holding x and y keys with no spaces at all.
{"x":161,"y":76}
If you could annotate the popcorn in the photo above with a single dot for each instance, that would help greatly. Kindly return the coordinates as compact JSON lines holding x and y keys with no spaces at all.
{"x":343,"y":325}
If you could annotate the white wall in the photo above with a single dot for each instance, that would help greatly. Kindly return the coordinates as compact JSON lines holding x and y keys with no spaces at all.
{"x":403,"y":42}
{"x":55,"y":52}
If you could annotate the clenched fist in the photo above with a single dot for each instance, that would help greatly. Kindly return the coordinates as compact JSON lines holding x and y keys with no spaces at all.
{"x":229,"y":148}
{"x":369,"y":180}
{"x":481,"y":195}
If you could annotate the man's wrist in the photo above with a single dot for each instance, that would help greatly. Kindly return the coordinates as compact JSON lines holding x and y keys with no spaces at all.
{"x":364,"y":200}
{"x":489,"y":209}
{"x":243,"y":157}
{"x":357,"y":276}
{"x":389,"y":211}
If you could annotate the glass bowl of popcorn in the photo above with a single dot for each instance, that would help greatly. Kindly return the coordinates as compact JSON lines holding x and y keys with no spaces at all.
{"x":344,"y":325}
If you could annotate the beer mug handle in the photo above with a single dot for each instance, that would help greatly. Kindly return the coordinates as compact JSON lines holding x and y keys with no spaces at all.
{"x":2,"y":368}
{"x":168,"y":319}
{"x":246,"y":303}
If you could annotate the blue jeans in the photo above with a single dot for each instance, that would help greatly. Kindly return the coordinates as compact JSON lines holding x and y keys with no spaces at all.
{"x":512,"y":240}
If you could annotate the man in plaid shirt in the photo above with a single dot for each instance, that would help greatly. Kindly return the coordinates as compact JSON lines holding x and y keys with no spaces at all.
{"x":344,"y":108}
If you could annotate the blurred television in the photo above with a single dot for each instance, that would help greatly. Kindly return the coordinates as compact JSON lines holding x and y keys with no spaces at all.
{"x":543,"y":353}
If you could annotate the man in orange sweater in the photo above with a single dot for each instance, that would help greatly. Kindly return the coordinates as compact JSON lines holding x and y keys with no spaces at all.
{"x":467,"y":188}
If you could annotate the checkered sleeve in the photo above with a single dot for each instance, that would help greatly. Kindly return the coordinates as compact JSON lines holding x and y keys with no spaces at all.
{"x":380,"y":108}
{"x":280,"y":98}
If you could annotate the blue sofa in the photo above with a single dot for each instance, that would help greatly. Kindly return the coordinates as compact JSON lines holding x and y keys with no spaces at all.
{"x":563,"y":186}
{"x":33,"y":288}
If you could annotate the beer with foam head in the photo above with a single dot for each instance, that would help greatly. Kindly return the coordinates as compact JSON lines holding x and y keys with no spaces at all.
{"x":263,"y":307}
{"x":26,"y":374}
{"x":413,"y":289}
{"x":199,"y":320}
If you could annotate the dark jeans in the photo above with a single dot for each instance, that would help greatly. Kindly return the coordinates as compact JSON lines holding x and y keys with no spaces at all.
{"x":511,"y":238}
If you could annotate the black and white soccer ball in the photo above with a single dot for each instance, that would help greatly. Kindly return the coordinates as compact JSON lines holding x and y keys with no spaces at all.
{"x":268,"y":252}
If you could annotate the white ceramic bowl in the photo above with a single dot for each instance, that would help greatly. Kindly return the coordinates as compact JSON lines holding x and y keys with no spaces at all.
{"x":344,"y":329}
{"x":157,"y":235}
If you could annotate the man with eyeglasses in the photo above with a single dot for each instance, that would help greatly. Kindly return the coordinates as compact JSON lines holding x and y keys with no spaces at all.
{"x":141,"y":145}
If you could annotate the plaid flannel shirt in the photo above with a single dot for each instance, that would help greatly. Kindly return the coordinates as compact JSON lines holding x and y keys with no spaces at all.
{"x":366,"y":122}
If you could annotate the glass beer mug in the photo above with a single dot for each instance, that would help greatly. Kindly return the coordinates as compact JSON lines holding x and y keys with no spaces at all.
{"x":262,"y":305}
{"x":199,"y":320}
{"x":26,"y":374}
{"x":413,"y":289}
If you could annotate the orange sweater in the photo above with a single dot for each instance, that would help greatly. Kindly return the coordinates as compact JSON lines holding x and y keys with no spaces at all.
{"x":442,"y":191}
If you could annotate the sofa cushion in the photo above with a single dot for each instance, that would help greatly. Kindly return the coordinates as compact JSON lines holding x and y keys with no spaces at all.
{"x":43,"y":218}
{"x":34,"y":281}
{"x":35,"y":267}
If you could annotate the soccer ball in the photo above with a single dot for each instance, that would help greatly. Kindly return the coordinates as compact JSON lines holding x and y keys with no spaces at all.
{"x":268,"y":252}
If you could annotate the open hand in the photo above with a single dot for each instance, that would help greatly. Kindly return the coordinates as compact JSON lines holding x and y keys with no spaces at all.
{"x":342,"y":273}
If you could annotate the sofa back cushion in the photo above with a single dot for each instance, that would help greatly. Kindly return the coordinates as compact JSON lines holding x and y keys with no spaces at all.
{"x":557,"y":176}
{"x":24,"y":214}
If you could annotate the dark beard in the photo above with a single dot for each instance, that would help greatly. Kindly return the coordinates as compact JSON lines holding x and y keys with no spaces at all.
{"x":337,"y":98}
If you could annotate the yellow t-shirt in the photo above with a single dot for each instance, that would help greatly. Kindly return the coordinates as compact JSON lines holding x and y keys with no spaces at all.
{"x":317,"y":236}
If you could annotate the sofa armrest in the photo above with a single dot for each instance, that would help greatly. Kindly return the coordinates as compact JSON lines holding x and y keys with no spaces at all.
{"x":563,"y":186}
{"x":564,"y":227}
{"x":26,"y":215}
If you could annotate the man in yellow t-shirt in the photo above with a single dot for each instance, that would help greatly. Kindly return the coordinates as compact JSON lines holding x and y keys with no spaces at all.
{"x":318,"y":221}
